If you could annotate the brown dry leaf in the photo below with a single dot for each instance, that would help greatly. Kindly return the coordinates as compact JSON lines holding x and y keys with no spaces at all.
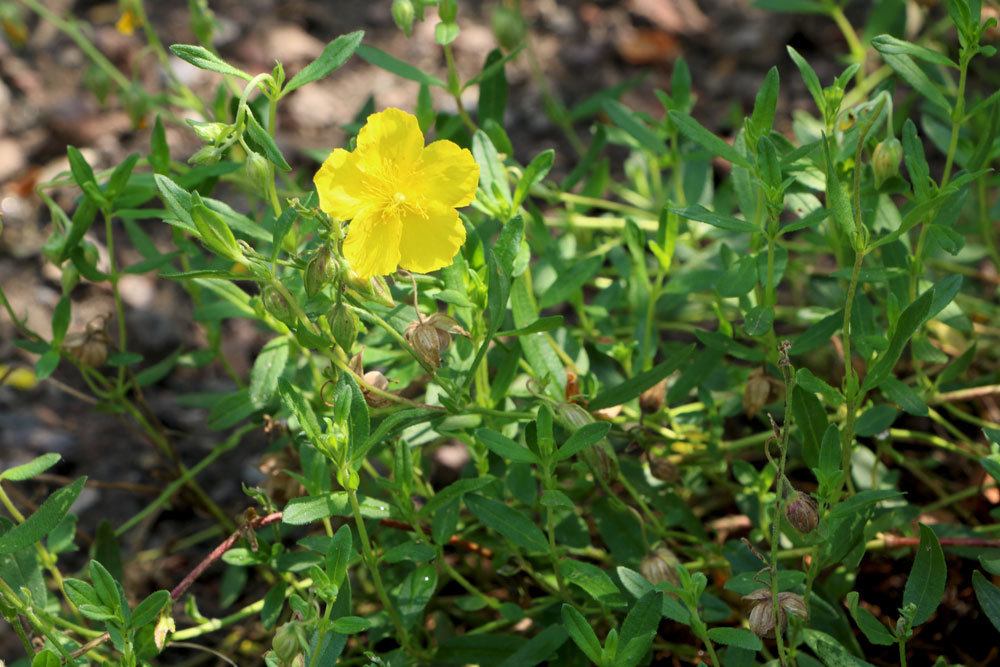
{"x":645,"y":46}
{"x":680,"y":17}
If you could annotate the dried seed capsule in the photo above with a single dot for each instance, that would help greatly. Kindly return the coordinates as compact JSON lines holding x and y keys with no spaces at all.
{"x":762,"y":619}
{"x":660,"y":566}
{"x":801,"y":513}
{"x":662,"y":469}
{"x":431,"y":337}
{"x":652,"y":400}
{"x":756,"y":393}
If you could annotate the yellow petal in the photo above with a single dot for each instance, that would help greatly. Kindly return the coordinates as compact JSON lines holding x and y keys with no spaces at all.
{"x":430,"y":241}
{"x":372,"y":243}
{"x":390,"y":139}
{"x":448,"y":174}
{"x":340,"y":184}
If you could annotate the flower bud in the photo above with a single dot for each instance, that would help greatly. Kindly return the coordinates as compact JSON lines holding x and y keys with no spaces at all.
{"x":886,"y":159}
{"x":259,"y":170}
{"x":70,"y":277}
{"x":801,"y":513}
{"x":286,"y":644}
{"x":321,"y":270}
{"x":403,"y":14}
{"x":276,"y":304}
{"x":572,"y":416}
{"x":205,"y":155}
{"x":210,"y":133}
{"x":508,"y":27}
{"x":652,"y":400}
{"x":659,"y":567}
{"x":343,"y":326}
{"x":448,"y":10}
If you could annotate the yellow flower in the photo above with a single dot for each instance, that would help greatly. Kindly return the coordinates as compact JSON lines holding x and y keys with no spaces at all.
{"x":128,"y":22}
{"x":399,"y":195}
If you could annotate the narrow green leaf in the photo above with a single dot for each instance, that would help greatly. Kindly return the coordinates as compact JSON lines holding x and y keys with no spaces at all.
{"x":263,"y":142}
{"x":30,"y":469}
{"x":926,"y":583}
{"x":738,"y":637}
{"x":266,"y":371}
{"x":908,"y":70}
{"x":510,"y":523}
{"x":634,"y":126}
{"x":334,"y":55}
{"x":873,"y":629}
{"x":536,"y":170}
{"x":893,"y":45}
{"x":989,"y":597}
{"x":299,"y":406}
{"x":392,"y":64}
{"x":202,"y":58}
{"x":632,"y":387}
{"x":909,"y":321}
{"x":43,"y":521}
{"x":581,"y":633}
{"x":702,"y":214}
{"x":586,"y":436}
{"x":810,"y":78}
{"x":697,"y":133}
{"x":504,"y":447}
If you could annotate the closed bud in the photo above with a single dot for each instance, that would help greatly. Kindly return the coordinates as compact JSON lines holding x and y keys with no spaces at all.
{"x":660,"y":566}
{"x":508,"y":27}
{"x":321,"y":270}
{"x":286,"y":644}
{"x":205,"y":155}
{"x":343,"y":326}
{"x":602,"y":460}
{"x":70,"y":277}
{"x":448,"y":10}
{"x":886,"y":159}
{"x":403,"y":14}
{"x":259,"y":170}
{"x":210,"y":133}
{"x":801,"y":513}
{"x":652,"y":400}
{"x":276,"y":304}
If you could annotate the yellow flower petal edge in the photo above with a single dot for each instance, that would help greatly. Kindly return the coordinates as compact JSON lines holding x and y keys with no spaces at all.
{"x":400,"y":196}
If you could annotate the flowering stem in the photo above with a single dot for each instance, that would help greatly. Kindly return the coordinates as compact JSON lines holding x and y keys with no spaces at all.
{"x":370,"y":561}
{"x":119,"y":307}
{"x":455,"y":88}
{"x":858,"y":52}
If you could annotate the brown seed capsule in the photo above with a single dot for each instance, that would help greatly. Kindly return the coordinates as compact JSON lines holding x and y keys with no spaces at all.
{"x":660,"y":566}
{"x":430,"y":337}
{"x":90,"y":347}
{"x":756,"y":393}
{"x":801,"y":513}
{"x":662,"y":469}
{"x":652,"y":400}
{"x":762,"y":619}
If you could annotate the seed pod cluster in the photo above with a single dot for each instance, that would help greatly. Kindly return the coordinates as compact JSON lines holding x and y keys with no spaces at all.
{"x":762,"y":618}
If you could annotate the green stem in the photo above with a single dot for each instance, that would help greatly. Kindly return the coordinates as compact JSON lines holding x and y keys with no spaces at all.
{"x":956,"y":121}
{"x":113,"y":278}
{"x":372,"y":564}
{"x":858,"y":51}
{"x":902,"y":652}
{"x":455,"y":88}
{"x":851,"y":380}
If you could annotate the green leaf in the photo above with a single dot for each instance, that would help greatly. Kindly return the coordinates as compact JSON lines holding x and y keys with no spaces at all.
{"x":510,"y":523}
{"x":812,"y":422}
{"x":299,"y":406}
{"x":43,"y":521}
{"x":389,"y":63}
{"x":538,"y":649}
{"x":149,"y":609}
{"x":904,"y":396}
{"x":738,"y":637}
{"x":795,"y":6}
{"x":267,"y":369}
{"x":107,"y":588}
{"x":632,"y":387}
{"x":350,"y":625}
{"x":873,"y":629}
{"x":758,"y":320}
{"x":415,"y":592}
{"x":810,"y":78}
{"x":697,"y":133}
{"x":215,"y":233}
{"x":571,"y":279}
{"x":639,"y":628}
{"x":542,"y":324}
{"x":334,"y":55}
{"x":159,"y":151}
{"x":893,"y":45}
{"x":81,"y":593}
{"x":46,"y":658}
{"x":830,"y":651}
{"x":585,"y":436}
{"x":536,"y":170}
{"x":259,"y":138}
{"x":913,"y":75}
{"x":30,"y":469}
{"x":491,"y":169}
{"x":860,"y":501}
{"x":702,"y":214}
{"x":455,"y":491}
{"x":309,"y":509}
{"x":634,"y":126}
{"x":762,"y":118}
{"x":989,"y":597}
{"x":926,"y":583}
{"x":916,"y":161}
{"x":909,"y":321}
{"x":581,"y":633}
{"x":591,"y":579}
{"x":493,"y":89}
{"x":202,"y":58}
{"x":875,"y":420}
{"x":504,"y":447}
